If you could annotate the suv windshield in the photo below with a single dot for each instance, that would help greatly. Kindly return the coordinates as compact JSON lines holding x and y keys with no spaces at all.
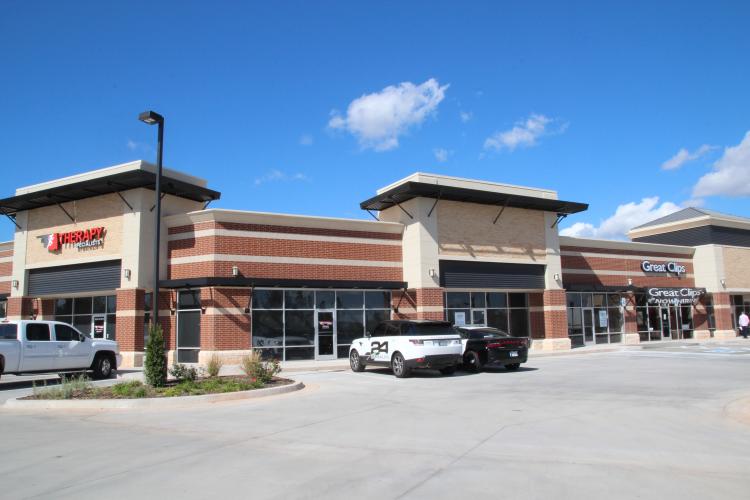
{"x":484,"y":333}
{"x":428,"y":329}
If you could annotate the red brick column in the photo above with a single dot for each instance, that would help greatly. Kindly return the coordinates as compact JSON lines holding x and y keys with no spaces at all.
{"x":225,"y":326}
{"x":700,"y":319}
{"x":554,"y":321}
{"x":419,"y":303}
{"x":47,"y":311}
{"x":723,"y":315}
{"x":22,"y":308}
{"x":536,"y":315}
{"x":168,"y":317}
{"x":130,"y":305}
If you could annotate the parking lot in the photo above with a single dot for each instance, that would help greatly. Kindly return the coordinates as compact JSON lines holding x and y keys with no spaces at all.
{"x":660,"y":422}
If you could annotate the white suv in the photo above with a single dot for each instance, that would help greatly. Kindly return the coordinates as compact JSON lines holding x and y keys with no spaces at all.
{"x":407,"y":344}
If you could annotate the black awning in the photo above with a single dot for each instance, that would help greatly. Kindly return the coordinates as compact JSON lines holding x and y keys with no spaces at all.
{"x":104,"y":185}
{"x":409,"y":190}
{"x":243,"y":281}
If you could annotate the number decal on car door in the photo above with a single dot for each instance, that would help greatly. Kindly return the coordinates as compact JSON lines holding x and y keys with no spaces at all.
{"x":378,"y":348}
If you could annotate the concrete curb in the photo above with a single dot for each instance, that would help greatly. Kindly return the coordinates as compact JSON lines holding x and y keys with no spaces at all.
{"x":175,"y":402}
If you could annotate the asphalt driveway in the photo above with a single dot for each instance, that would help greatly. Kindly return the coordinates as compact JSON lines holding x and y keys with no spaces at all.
{"x":644,"y":423}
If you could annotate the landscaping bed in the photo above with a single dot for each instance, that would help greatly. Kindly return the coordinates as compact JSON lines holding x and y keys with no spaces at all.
{"x":81,"y":388}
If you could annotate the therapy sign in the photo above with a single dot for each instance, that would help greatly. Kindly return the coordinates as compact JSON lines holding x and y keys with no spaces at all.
{"x":674,"y":296}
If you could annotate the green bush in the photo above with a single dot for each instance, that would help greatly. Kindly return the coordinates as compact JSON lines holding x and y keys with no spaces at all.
{"x":68,"y":389}
{"x":155,"y":366}
{"x":258,"y":369}
{"x":183,"y":372}
{"x":130,"y":390}
{"x":214,"y":365}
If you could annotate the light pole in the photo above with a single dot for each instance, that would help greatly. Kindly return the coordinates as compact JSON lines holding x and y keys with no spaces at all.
{"x":151,"y":118}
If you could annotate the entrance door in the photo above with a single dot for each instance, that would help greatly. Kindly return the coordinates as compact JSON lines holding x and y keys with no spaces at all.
{"x":666,"y":332}
{"x":325,"y":335}
{"x":99,"y":327}
{"x":588,"y":326}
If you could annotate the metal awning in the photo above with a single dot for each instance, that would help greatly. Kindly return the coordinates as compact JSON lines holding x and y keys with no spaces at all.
{"x":408,"y":190}
{"x":243,"y":281}
{"x":105,"y":185}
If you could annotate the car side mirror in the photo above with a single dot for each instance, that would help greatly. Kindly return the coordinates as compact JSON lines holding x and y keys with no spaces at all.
{"x":368,"y":334}
{"x":83,"y":338}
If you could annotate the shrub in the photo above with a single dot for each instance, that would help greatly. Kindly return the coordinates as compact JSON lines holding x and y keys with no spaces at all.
{"x":130,"y":390}
{"x":183,"y":372}
{"x":68,"y":389}
{"x":258,"y":369}
{"x":155,"y":366}
{"x":214,"y":365}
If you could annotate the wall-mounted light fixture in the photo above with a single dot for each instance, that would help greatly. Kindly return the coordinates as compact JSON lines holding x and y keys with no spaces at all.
{"x":431,"y":272}
{"x":127,"y":274}
{"x":723,"y":282}
{"x":14,"y":283}
{"x":630,"y":281}
{"x":172,"y":307}
{"x":556,"y":276}
{"x":203,"y":309}
{"x":235,"y":271}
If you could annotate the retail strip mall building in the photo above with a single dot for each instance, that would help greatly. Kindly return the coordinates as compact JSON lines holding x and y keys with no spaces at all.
{"x":302,"y":287}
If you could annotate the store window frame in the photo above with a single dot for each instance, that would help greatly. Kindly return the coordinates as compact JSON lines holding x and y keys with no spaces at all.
{"x":494,"y":308}
{"x":595,"y":317}
{"x":187,"y":349}
{"x":80,"y":312}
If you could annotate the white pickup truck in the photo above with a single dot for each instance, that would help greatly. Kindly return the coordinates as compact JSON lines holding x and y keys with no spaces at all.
{"x":52,"y":346}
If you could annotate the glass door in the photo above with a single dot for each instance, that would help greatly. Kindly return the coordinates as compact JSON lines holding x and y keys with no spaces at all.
{"x":325,"y":335}
{"x":99,"y":327}
{"x":588,"y":326}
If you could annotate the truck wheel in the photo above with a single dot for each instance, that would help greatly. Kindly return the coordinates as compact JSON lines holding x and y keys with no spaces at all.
{"x":472,"y":362}
{"x":103,"y":366}
{"x":355,"y":362}
{"x":448,"y":370}
{"x":513,"y":367}
{"x":398,"y":366}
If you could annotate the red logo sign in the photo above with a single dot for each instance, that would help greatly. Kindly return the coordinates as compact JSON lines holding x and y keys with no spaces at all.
{"x":87,"y":238}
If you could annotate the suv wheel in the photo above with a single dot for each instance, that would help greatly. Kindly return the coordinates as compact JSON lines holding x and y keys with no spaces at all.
{"x":103,"y":366}
{"x":448,"y":370}
{"x":355,"y":362}
{"x":398,"y":366}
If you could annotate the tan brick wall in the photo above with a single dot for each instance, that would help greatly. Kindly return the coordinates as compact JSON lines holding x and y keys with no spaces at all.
{"x":466,"y":229}
{"x":105,"y":210}
{"x":736,"y":267}
{"x":285,"y":271}
{"x":283,"y":229}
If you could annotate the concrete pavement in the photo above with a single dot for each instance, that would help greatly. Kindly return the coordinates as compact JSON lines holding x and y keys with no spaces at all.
{"x":644,"y":423}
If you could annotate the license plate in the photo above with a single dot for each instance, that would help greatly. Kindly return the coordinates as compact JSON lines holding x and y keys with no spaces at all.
{"x":513,"y":354}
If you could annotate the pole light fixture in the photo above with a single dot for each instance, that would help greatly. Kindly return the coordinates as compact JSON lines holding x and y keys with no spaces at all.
{"x":154,"y":118}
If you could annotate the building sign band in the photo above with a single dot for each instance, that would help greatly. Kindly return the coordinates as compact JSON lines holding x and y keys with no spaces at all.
{"x":675,"y":296}
{"x":668,"y":267}
{"x":87,"y":238}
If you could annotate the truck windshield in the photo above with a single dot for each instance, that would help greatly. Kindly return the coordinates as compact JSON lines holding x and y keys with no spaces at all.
{"x":8,"y":331}
{"x":428,"y":329}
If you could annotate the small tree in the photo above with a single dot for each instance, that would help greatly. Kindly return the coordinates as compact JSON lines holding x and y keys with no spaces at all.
{"x":155,"y":366}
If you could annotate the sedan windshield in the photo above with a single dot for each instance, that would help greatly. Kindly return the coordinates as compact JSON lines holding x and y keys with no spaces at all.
{"x":428,"y":329}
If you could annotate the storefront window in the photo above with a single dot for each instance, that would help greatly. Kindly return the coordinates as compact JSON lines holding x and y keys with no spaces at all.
{"x":3,"y":307}
{"x":93,"y":316}
{"x":506,"y":311}
{"x":188,"y":326}
{"x":284,"y":321}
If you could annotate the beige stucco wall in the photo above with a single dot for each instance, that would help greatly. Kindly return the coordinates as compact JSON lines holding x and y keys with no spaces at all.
{"x":737,"y":267}
{"x":466,"y":230}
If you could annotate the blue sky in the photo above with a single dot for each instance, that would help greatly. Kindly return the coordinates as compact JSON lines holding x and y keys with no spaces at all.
{"x":308,"y":107}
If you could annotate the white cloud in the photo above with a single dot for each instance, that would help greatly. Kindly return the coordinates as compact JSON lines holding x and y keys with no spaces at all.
{"x":132,"y":145}
{"x":276,"y":175}
{"x":306,"y":140}
{"x":731,"y":173}
{"x":683,"y":156}
{"x":441,"y":154}
{"x":523,"y":134}
{"x":466,"y":116}
{"x":378,"y":119}
{"x":625,"y":218}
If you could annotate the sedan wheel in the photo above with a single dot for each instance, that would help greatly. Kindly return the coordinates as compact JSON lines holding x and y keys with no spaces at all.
{"x":398,"y":365}
{"x":472,"y":362}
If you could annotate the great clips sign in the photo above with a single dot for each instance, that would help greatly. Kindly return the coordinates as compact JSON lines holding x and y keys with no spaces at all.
{"x":81,"y":240}
{"x":675,"y":296}
{"x":667,"y":267}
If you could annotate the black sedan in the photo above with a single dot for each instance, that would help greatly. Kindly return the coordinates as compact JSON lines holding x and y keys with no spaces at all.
{"x":484,"y":346}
